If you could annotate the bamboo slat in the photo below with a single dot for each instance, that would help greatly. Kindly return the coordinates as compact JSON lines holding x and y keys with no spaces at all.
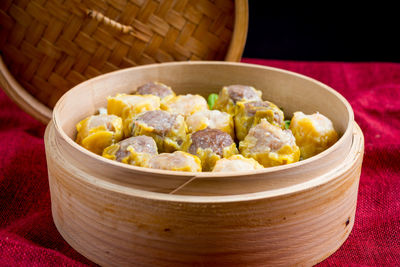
{"x":50,"y":46}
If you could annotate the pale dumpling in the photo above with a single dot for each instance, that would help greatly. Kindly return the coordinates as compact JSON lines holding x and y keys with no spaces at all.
{"x":236,"y":163}
{"x":314,"y":133}
{"x":176,"y":161}
{"x":213,"y":119}
{"x":184,"y":105}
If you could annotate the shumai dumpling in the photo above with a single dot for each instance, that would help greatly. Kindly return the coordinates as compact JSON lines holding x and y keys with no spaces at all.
{"x":236,"y":163}
{"x":210,"y":145}
{"x":184,"y":105}
{"x":213,"y":119}
{"x":249,"y":114}
{"x":98,"y":132}
{"x":168,"y":130}
{"x":176,"y":161}
{"x":129,"y":106}
{"x":122,"y":104}
{"x":270,"y":145}
{"x":137,"y":150}
{"x":230,"y":95}
{"x":155,"y":88}
{"x":314,"y":133}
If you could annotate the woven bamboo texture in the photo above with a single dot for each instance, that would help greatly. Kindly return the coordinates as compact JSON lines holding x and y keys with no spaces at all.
{"x":49,"y":46}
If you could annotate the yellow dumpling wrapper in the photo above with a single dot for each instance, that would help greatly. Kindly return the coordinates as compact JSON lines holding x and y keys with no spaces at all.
{"x":270,"y":145}
{"x":129,"y":106}
{"x":236,"y":163}
{"x":314,"y":133}
{"x":176,"y":161}
{"x":123,"y":105}
{"x":249,"y":113}
{"x":230,"y":95}
{"x":184,"y":105}
{"x":98,"y":132}
{"x":208,"y":158}
{"x":134,"y":150}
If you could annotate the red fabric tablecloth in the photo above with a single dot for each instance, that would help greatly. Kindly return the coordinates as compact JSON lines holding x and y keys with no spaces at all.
{"x":29,"y":237}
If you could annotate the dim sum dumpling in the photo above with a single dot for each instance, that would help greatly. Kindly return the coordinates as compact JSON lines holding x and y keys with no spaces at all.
{"x":236,"y":163}
{"x":249,"y":114}
{"x":230,"y":95}
{"x":137,"y":150}
{"x":213,"y":119}
{"x":314,"y":133}
{"x":210,"y":145}
{"x":270,"y":145}
{"x":176,"y":161}
{"x":168,"y":130}
{"x":98,"y":132}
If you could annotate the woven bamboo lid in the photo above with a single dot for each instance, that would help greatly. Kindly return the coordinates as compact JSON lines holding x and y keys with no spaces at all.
{"x":50,"y":46}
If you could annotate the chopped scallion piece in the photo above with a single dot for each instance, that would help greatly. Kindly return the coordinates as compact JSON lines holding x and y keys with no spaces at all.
{"x":211,"y":100}
{"x":287,"y":124}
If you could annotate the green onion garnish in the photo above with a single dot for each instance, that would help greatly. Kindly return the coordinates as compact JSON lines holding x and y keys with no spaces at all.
{"x":211,"y":100}
{"x":287,"y":124}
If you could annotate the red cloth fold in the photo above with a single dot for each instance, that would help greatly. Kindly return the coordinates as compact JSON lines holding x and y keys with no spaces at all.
{"x":28,"y":235}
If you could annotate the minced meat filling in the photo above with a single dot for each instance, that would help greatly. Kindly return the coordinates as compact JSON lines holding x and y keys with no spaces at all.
{"x":160,"y":120}
{"x":214,"y":139}
{"x":153,"y":88}
{"x":242,"y":92}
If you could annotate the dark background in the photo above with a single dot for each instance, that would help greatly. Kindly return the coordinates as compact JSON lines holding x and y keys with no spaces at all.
{"x":330,"y":31}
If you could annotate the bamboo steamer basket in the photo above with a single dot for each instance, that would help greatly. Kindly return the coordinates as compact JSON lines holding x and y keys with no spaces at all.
{"x":117,"y":215}
{"x":47,"y":47}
